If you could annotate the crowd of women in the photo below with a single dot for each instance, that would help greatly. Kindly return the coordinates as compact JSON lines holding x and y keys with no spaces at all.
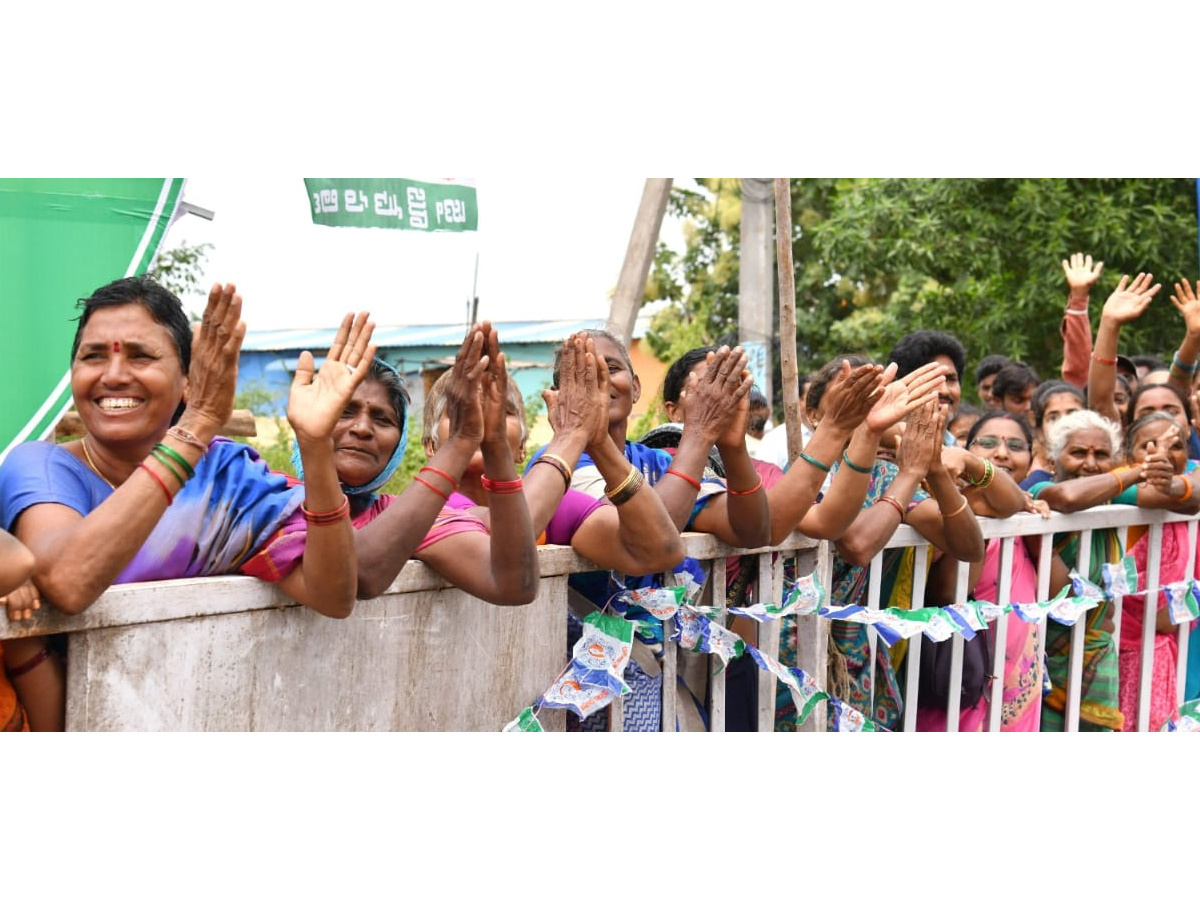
{"x":152,"y":491}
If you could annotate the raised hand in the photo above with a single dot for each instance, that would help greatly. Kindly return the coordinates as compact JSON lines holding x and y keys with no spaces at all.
{"x":463,"y":405}
{"x":1081,"y":274}
{"x":901,"y":397}
{"x":854,"y":393}
{"x":580,"y":404}
{"x":212,"y":376}
{"x":1157,"y":468}
{"x":719,"y":398}
{"x":1131,"y":298}
{"x":493,"y":393}
{"x":317,"y":399}
{"x":922,"y":438}
{"x":1186,"y":302}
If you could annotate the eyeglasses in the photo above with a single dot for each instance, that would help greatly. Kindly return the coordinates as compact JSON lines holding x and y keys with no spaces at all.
{"x":1015,"y":445}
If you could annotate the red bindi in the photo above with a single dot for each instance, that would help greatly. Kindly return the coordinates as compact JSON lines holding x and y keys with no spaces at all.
{"x":116,"y":346}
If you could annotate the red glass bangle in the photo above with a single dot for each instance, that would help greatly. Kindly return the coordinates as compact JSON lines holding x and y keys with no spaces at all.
{"x":688,"y":478}
{"x":29,"y":665}
{"x":757,"y":487}
{"x":502,"y":487}
{"x":444,"y":496}
{"x":162,"y":484}
{"x":329,"y":517}
{"x":1103,"y":361}
{"x":446,"y":475}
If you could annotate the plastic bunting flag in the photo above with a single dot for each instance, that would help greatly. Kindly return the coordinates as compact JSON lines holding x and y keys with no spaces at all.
{"x":1188,"y":719}
{"x":847,"y":718}
{"x":806,"y":694}
{"x":662,"y":603}
{"x":526,"y":721}
{"x":1182,"y":605}
{"x":1120,"y":578}
{"x":695,"y":631}
{"x":805,"y":598}
{"x":598,"y":660}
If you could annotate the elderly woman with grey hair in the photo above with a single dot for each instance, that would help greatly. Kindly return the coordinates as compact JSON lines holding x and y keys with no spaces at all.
{"x":1084,"y":449}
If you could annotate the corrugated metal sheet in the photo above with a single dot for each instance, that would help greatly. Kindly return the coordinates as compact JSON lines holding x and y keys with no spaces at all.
{"x":542,"y":332}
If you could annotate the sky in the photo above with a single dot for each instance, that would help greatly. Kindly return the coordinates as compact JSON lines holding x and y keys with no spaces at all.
{"x":532,"y":263}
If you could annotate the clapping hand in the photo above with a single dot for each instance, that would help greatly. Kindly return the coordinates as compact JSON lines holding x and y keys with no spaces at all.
{"x":901,"y":397}
{"x":317,"y":399}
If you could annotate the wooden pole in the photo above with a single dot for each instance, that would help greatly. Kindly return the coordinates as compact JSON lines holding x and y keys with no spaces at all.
{"x":631,"y":286}
{"x":787,"y":316}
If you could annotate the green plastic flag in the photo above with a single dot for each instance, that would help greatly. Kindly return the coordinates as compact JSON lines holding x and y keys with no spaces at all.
{"x":439,"y":204}
{"x":60,"y":239}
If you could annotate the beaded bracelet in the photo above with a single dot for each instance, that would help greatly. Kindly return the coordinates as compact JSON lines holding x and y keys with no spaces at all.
{"x":815,"y":462}
{"x":688,"y":478}
{"x":187,"y":437}
{"x":558,"y":463}
{"x":442,"y":494}
{"x":162,"y":484}
{"x":895,"y":504}
{"x":502,"y":487}
{"x":329,"y":517}
{"x":846,"y":459}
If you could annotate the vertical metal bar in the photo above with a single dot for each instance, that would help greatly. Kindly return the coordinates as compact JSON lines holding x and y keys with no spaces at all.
{"x":1043,"y":593}
{"x":1078,"y":631}
{"x":670,"y":671}
{"x":1149,"y":626}
{"x":998,"y":634}
{"x":913,"y":669}
{"x":813,"y":656}
{"x":1184,"y":630}
{"x":716,"y":673}
{"x":873,"y":588}
{"x":954,"y":701}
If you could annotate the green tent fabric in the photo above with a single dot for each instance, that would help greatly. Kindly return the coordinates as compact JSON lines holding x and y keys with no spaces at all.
{"x":60,"y":239}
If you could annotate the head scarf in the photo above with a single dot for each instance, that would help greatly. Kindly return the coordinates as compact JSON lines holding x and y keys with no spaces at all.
{"x":393,"y":463}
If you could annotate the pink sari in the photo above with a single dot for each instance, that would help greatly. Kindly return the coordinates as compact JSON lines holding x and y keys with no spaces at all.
{"x":1164,"y":687}
{"x":1021,"y":707}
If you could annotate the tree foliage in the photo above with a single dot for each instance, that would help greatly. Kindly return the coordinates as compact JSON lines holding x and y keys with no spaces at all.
{"x":181,"y":268}
{"x":980,"y":258}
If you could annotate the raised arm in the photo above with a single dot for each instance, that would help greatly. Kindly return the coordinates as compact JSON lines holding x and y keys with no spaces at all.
{"x":1076,"y":328}
{"x":1183,"y":365}
{"x":508,"y":573}
{"x":387,"y":542}
{"x":842,"y":503}
{"x":951,"y":524}
{"x":636,"y":535}
{"x":79,"y":556}
{"x":1125,"y":304}
{"x":326,"y":578}
{"x":742,"y":515}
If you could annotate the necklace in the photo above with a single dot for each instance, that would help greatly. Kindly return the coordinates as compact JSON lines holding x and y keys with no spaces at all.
{"x":92,"y":464}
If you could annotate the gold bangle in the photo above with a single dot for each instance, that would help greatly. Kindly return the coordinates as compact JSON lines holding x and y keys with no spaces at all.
{"x":894,"y":503}
{"x":628,"y":488}
{"x":633,"y":473}
{"x":958,"y":511}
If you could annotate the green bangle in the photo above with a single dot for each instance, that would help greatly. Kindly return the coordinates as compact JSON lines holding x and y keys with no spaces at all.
{"x":178,"y":457}
{"x":167,"y":464}
{"x":846,"y":460}
{"x":816,"y":462}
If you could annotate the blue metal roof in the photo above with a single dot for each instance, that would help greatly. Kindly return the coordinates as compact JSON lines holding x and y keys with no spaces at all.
{"x":538,"y":332}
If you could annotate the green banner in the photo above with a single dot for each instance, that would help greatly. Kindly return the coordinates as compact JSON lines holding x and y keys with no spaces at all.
{"x":447,"y":204}
{"x":60,"y":239}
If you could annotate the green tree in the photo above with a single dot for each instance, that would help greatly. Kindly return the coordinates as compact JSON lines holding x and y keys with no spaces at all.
{"x":181,"y":268}
{"x":980,"y":258}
